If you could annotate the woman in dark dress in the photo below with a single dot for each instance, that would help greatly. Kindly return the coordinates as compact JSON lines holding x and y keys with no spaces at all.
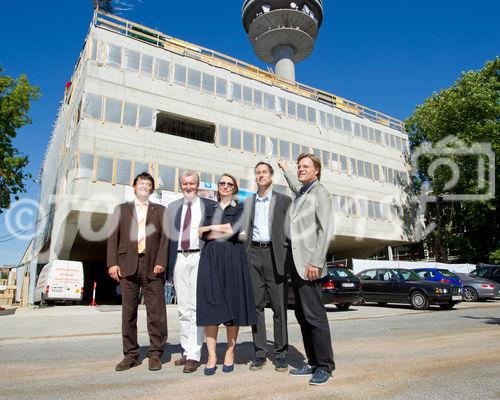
{"x":224,"y":289}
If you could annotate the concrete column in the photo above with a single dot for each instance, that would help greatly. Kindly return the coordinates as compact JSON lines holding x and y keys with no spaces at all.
{"x":285,"y":68}
{"x":389,"y":253}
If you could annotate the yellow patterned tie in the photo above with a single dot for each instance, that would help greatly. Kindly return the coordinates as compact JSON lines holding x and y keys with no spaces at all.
{"x":141,"y":234}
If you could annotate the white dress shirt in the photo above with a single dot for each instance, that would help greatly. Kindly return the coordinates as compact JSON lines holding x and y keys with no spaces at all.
{"x":261,"y":232}
{"x":195,"y":223}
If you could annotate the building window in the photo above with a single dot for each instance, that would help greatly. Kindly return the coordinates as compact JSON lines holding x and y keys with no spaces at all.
{"x":208,"y":83}
{"x":272,"y":147}
{"x":123,"y":172}
{"x":282,"y":104}
{"x":194,"y":79}
{"x":357,"y":130}
{"x":206,"y":177}
{"x":371,"y":209}
{"x":181,"y":126}
{"x":368,"y":170}
{"x":343,"y":164}
{"x":140,"y":167}
{"x":362,"y":208}
{"x":284,"y":149}
{"x":364,"y":131}
{"x":92,"y":106}
{"x":180,"y":74}
{"x":361,"y":168}
{"x":223,"y":131}
{"x":114,"y":55}
{"x":145,"y":117}
{"x":311,"y":115}
{"x":335,"y":162}
{"x":326,"y":159}
{"x":146,"y":65}
{"x":248,"y":142}
{"x":376,"y":172}
{"x":393,"y":142}
{"x":352,"y":166}
{"x":257,"y":98}
{"x":347,"y":126}
{"x":260,"y":142}
{"x":131,"y":60}
{"x":269,"y":102}
{"x":247,"y":96}
{"x":338,"y":124}
{"x":166,"y":178}
{"x":236,"y":89}
{"x":292,"y":109}
{"x":162,"y":70}
{"x":113,"y":110}
{"x":130,"y":114}
{"x":245,"y":184}
{"x":295,"y":151}
{"x":85,"y":165}
{"x":329,"y":120}
{"x":372,"y":134}
{"x":221,"y":87}
{"x":301,"y":112}
{"x":236,"y":138}
{"x":104,"y":169}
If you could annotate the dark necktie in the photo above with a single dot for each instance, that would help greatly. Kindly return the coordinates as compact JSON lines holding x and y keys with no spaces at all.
{"x":186,"y":228}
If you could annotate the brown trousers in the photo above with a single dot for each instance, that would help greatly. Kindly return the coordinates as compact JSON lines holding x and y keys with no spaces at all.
{"x":154,"y":298}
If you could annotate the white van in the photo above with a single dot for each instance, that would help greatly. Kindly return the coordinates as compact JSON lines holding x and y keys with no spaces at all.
{"x":60,"y":280}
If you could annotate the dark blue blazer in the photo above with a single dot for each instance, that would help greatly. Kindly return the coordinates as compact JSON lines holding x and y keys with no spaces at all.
{"x":174,"y":211}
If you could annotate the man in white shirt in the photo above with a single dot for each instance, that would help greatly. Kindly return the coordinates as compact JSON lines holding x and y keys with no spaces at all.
{"x":267,"y":251}
{"x":185,"y":217}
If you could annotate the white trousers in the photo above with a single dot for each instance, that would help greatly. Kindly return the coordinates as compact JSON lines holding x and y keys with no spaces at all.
{"x":185,"y":278}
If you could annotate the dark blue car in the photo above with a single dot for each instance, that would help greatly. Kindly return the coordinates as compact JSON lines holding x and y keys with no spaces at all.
{"x":439,"y":275}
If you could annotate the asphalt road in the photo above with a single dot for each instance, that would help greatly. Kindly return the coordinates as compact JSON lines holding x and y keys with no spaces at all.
{"x":380,"y":352}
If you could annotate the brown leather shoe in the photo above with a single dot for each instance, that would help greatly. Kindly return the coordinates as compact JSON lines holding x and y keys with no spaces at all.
{"x":127,"y":363}
{"x":191,"y":366}
{"x":154,"y":363}
{"x":180,"y":361}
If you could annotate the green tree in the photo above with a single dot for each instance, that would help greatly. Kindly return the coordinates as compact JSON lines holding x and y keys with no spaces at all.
{"x":15,"y":100}
{"x":470,"y":112}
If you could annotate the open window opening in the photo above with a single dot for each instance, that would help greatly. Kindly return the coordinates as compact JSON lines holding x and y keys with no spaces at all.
{"x":182,"y":126}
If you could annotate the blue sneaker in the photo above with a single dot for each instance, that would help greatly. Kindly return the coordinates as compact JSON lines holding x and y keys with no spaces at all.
{"x":320,"y":377}
{"x":302,"y":371}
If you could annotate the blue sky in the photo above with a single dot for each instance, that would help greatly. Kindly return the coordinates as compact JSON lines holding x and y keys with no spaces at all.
{"x":387,"y":55}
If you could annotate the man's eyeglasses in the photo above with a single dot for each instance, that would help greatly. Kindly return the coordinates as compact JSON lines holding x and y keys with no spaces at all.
{"x":228,"y":184}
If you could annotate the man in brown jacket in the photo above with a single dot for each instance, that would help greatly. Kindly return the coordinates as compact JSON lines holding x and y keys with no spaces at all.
{"x":136,"y":258}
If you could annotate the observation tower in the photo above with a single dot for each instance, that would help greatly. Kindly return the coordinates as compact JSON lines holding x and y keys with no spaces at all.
{"x":282,"y":32}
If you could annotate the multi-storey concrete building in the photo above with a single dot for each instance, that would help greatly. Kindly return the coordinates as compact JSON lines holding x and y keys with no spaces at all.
{"x":142,"y":100}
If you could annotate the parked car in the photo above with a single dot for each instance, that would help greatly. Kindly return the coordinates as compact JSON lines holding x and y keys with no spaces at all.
{"x":476,"y":288}
{"x":340,"y":287}
{"x":488,"y":271}
{"x":398,"y":285}
{"x":438,"y":275}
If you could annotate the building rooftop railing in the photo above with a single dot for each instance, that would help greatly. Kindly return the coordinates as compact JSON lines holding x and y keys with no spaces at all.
{"x":153,"y":37}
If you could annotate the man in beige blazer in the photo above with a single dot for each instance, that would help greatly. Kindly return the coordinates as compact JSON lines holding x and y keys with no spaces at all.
{"x":310,"y":232}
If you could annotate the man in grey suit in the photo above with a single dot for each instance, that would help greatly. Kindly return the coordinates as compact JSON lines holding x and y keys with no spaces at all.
{"x":310,"y":230}
{"x":266,"y":248}
{"x":186,"y":216}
